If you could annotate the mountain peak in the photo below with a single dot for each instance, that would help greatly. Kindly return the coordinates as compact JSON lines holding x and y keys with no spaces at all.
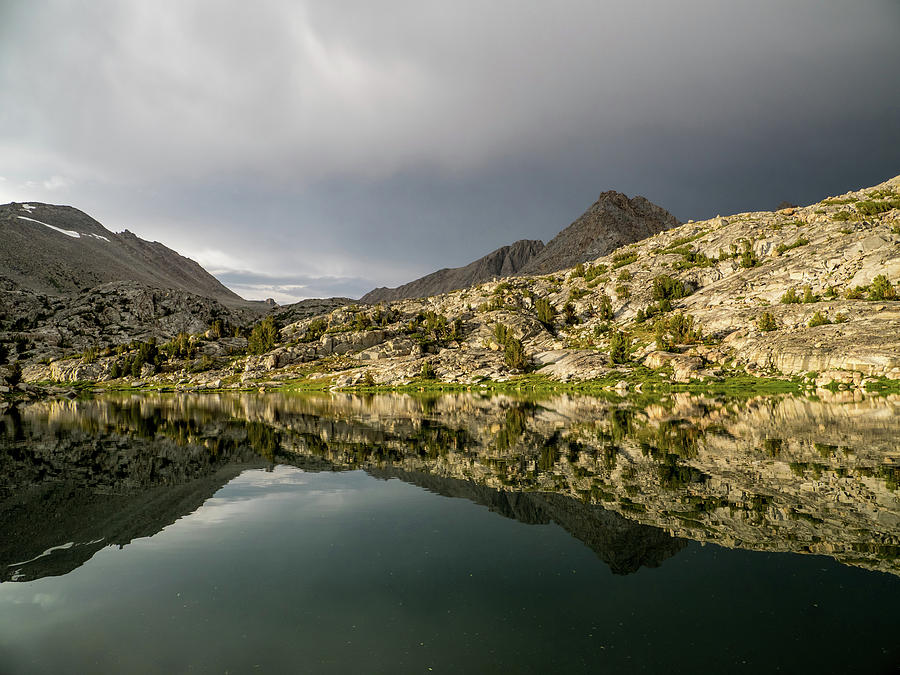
{"x":60,"y":250}
{"x":612,"y":221}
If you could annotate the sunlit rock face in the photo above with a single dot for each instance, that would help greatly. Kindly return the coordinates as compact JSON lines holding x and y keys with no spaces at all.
{"x":632,"y":479}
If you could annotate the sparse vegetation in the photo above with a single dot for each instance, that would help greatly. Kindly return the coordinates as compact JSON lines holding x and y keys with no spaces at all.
{"x":856,"y":293}
{"x":818,"y":319}
{"x":873,"y":208}
{"x":791,"y":297}
{"x":622,"y":259}
{"x":767,"y":322}
{"x":748,"y":257}
{"x":882,"y":289}
{"x":619,"y":347}
{"x":605,"y":309}
{"x":264,"y":336}
{"x":546,"y":314}
{"x":668,"y":288}
{"x":675,"y":330}
{"x":513,"y":349}
{"x":783,"y":248}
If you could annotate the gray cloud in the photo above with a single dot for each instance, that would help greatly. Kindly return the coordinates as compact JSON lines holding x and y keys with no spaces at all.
{"x":373,"y":142}
{"x":287,"y":289}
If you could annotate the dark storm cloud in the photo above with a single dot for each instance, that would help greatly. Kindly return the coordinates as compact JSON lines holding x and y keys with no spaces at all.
{"x":373,"y":142}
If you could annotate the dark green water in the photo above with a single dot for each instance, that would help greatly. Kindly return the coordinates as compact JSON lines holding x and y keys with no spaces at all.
{"x":175,"y":557}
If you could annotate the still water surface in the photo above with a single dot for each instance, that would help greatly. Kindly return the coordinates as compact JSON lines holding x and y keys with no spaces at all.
{"x":339,"y":534}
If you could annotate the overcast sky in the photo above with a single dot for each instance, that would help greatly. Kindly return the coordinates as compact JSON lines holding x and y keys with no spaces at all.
{"x":303,"y":149}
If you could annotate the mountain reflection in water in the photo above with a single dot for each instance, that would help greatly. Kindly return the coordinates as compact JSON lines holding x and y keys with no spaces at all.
{"x":632,"y":481}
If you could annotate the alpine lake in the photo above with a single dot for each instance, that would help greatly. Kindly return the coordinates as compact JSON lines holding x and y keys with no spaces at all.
{"x":450,"y":533}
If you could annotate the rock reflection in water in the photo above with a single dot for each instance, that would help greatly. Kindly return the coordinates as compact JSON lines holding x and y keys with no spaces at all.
{"x":631,"y":480}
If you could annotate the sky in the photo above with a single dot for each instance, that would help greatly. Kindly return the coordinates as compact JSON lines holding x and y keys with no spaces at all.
{"x":310,"y":149}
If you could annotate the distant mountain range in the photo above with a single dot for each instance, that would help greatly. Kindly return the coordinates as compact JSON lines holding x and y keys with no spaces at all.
{"x":68,"y":283}
{"x":612,"y":221}
{"x":59,"y":250}
{"x":505,"y":261}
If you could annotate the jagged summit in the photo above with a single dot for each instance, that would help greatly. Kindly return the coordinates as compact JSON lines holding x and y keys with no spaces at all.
{"x":612,"y":221}
{"x":505,"y":261}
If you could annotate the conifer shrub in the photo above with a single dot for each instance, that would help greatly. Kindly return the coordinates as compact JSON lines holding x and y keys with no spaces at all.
{"x":514,"y":354}
{"x":546,"y":314}
{"x":677,"y":329}
{"x":605,"y":309}
{"x":818,"y":319}
{"x":622,"y":259}
{"x":668,"y":288}
{"x":315,"y":330}
{"x":513,"y":349}
{"x":766,"y":322}
{"x":264,"y":336}
{"x":783,"y":248}
{"x":748,"y":258}
{"x":790,"y":297}
{"x":619,"y":347}
{"x":808,"y":296}
{"x":882,"y":289}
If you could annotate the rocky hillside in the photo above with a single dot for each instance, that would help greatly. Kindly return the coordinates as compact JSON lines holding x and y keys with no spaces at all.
{"x":503,"y":262}
{"x":807,"y":292}
{"x":612,"y":221}
{"x":59,"y":251}
{"x":286,"y":314}
{"x":67,"y":284}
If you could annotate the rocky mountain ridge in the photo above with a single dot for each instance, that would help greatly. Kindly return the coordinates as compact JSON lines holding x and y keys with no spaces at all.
{"x":59,"y":250}
{"x":809,"y":293}
{"x":612,"y":221}
{"x":503,"y":262}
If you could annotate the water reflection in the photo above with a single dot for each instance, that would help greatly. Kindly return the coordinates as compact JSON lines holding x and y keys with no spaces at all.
{"x":632,"y":480}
